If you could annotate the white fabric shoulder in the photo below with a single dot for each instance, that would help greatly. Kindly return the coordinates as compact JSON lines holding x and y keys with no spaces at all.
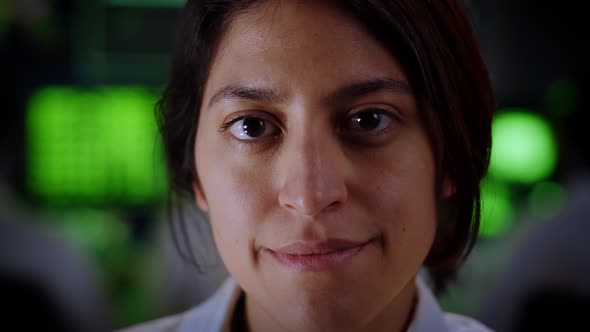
{"x":210,"y":315}
{"x":459,"y":323}
{"x":429,"y":316}
{"x":167,"y":324}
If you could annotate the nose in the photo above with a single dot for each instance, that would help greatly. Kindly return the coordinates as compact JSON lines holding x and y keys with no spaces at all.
{"x":313,"y":176}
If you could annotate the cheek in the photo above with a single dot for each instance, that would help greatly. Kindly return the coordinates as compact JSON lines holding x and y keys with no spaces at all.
{"x":236,"y":193}
{"x":408,"y":211}
{"x":229,"y":184}
{"x":404,"y":192}
{"x":230,"y":213}
{"x":237,"y":196}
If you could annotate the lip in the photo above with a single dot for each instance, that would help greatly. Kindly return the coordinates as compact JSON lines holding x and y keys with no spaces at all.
{"x":317,"y":256}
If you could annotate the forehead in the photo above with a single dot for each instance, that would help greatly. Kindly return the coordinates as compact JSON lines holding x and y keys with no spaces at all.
{"x":279,"y":22}
{"x":307,"y":41}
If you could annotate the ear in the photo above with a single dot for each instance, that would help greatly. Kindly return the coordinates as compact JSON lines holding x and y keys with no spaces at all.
{"x":448,"y":187}
{"x":200,"y":197}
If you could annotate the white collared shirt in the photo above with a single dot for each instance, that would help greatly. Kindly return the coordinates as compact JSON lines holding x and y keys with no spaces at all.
{"x":214,"y":315}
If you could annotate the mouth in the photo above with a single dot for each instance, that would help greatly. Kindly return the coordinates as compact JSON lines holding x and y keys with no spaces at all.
{"x":320,"y":256}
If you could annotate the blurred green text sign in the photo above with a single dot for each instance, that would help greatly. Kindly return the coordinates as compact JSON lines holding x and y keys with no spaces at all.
{"x":96,"y":146}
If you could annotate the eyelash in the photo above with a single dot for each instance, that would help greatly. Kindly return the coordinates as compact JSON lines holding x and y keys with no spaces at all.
{"x":375,"y":110}
{"x":354,"y":135}
{"x":225,"y":126}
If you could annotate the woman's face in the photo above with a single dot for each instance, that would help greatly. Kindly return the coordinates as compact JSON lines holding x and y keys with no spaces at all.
{"x":315,"y":169}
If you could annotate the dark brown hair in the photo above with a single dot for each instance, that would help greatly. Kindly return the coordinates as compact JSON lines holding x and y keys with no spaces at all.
{"x":436,"y":46}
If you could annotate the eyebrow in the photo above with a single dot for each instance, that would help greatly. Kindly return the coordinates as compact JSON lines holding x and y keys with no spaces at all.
{"x":237,"y":92}
{"x":342,"y":95}
{"x":363,"y":88}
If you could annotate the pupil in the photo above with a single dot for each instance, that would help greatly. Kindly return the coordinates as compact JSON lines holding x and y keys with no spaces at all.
{"x":368,"y":120}
{"x":253,"y":127}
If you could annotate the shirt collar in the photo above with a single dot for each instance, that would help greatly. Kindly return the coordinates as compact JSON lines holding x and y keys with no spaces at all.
{"x":428,"y":316}
{"x":215,"y":313}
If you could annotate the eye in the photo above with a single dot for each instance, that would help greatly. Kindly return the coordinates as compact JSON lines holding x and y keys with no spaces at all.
{"x":369,"y":120}
{"x":249,"y":128}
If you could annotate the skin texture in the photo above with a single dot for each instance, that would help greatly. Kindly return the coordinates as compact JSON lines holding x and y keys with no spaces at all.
{"x":314,"y":174}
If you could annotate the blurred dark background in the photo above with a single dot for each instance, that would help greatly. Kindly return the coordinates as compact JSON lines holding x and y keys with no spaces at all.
{"x":84,"y":243}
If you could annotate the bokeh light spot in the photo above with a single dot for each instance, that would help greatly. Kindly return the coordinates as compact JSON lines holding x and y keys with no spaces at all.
{"x":524,"y":147}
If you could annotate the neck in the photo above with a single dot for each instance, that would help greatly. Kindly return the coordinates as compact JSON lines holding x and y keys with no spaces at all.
{"x":396,"y":316}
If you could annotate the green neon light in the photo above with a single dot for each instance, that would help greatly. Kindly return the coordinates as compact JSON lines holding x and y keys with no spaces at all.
{"x":547,"y":199}
{"x":524,"y":147}
{"x":95,"y":145}
{"x":147,"y":3}
{"x":497,"y":209}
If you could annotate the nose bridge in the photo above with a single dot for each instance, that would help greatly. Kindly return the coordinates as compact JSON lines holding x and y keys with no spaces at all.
{"x":313,"y":177}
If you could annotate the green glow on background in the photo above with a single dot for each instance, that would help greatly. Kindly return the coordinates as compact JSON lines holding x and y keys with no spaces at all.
{"x":547,"y":199}
{"x":497,"y":210}
{"x":99,"y":232}
{"x":96,"y":146}
{"x":45,"y":29}
{"x":106,"y":237}
{"x":562,"y":97}
{"x":524,"y":147}
{"x":147,"y":3}
{"x":4,"y":16}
